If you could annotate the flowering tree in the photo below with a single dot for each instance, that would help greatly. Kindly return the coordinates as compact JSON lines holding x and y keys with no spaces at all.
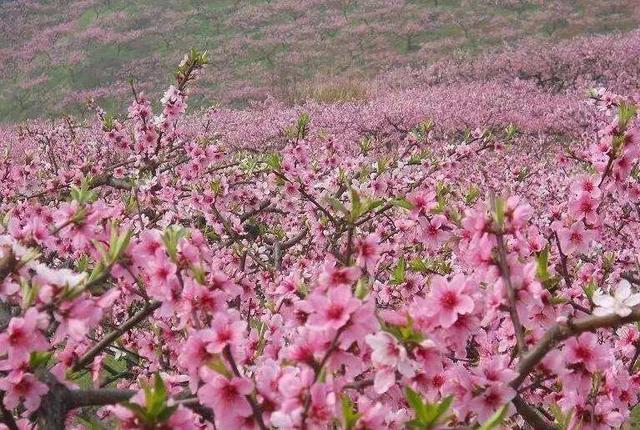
{"x":352,"y":268}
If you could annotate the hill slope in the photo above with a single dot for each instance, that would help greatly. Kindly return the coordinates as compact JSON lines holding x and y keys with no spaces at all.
{"x":57,"y":53}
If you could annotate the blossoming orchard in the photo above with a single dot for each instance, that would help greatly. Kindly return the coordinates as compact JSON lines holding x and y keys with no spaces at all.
{"x":349,"y":266}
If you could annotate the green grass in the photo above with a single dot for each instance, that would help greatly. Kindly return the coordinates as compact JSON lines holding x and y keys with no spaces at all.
{"x":87,"y":17}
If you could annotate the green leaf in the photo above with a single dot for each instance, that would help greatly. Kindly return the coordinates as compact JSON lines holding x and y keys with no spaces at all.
{"x":303,"y":289}
{"x":337,"y":205}
{"x":138,"y":411}
{"x":82,"y":263}
{"x":428,"y":415}
{"x":216,"y":187}
{"x":608,"y":260}
{"x":90,"y":422}
{"x":362,"y":288}
{"x":365,"y":145}
{"x":29,"y":293}
{"x":498,"y":211}
{"x":108,"y":122}
{"x":415,"y":424}
{"x":303,"y":125}
{"x":522,"y":175}
{"x":626,"y":112}
{"x":372,"y":204}
{"x":418,"y":265}
{"x":166,"y":413}
{"x":118,"y":244}
{"x":381,"y":165}
{"x":557,"y":300}
{"x":39,"y":358}
{"x":98,"y":270}
{"x":155,"y":397}
{"x":466,"y":135}
{"x":423,"y":128}
{"x":405,"y":334}
{"x":417,"y":404}
{"x":356,"y":205}
{"x":218,"y":364}
{"x":159,"y":387}
{"x":195,"y":59}
{"x":349,"y":413}
{"x":401,"y":202}
{"x":496,"y":419}
{"x":471,"y":195}
{"x":274,"y":161}
{"x":399,"y":274}
{"x":542,"y":268}
{"x":634,"y":419}
{"x":564,"y":420}
{"x":199,"y":274}
{"x":84,"y":194}
{"x":440,"y":409}
{"x":414,"y":160}
{"x":511,"y":131}
{"x":156,"y":409}
{"x":590,"y":288}
{"x":171,"y":237}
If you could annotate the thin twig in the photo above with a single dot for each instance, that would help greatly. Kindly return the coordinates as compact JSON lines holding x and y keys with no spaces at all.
{"x":112,"y":336}
{"x":257,"y":412}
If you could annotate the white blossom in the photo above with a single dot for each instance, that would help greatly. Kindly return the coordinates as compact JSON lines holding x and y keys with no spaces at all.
{"x":620,"y":303}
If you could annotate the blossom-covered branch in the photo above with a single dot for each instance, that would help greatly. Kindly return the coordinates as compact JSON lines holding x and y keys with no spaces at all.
{"x":362,"y":267}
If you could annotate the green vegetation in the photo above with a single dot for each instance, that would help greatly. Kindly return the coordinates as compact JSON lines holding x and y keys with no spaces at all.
{"x":55,"y":57}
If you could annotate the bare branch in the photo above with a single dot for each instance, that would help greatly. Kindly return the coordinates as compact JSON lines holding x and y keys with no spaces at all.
{"x":533,"y":417}
{"x":100,"y":397}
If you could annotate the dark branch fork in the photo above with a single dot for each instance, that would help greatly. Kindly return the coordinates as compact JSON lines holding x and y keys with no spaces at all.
{"x":553,"y":337}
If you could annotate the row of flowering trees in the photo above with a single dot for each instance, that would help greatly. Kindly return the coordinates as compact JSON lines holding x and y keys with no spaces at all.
{"x":155,"y":275}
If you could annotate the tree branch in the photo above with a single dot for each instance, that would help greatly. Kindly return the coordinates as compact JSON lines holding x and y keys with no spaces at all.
{"x":5,"y":416}
{"x":112,"y":336}
{"x":564,"y":330}
{"x":513,"y":312}
{"x":534,"y":418}
{"x":97,"y":397}
{"x":264,"y":205}
{"x":255,"y":408}
{"x":8,"y":262}
{"x":309,"y":197}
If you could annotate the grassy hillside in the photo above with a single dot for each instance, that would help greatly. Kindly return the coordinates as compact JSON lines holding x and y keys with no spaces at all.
{"x":55,"y":54}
